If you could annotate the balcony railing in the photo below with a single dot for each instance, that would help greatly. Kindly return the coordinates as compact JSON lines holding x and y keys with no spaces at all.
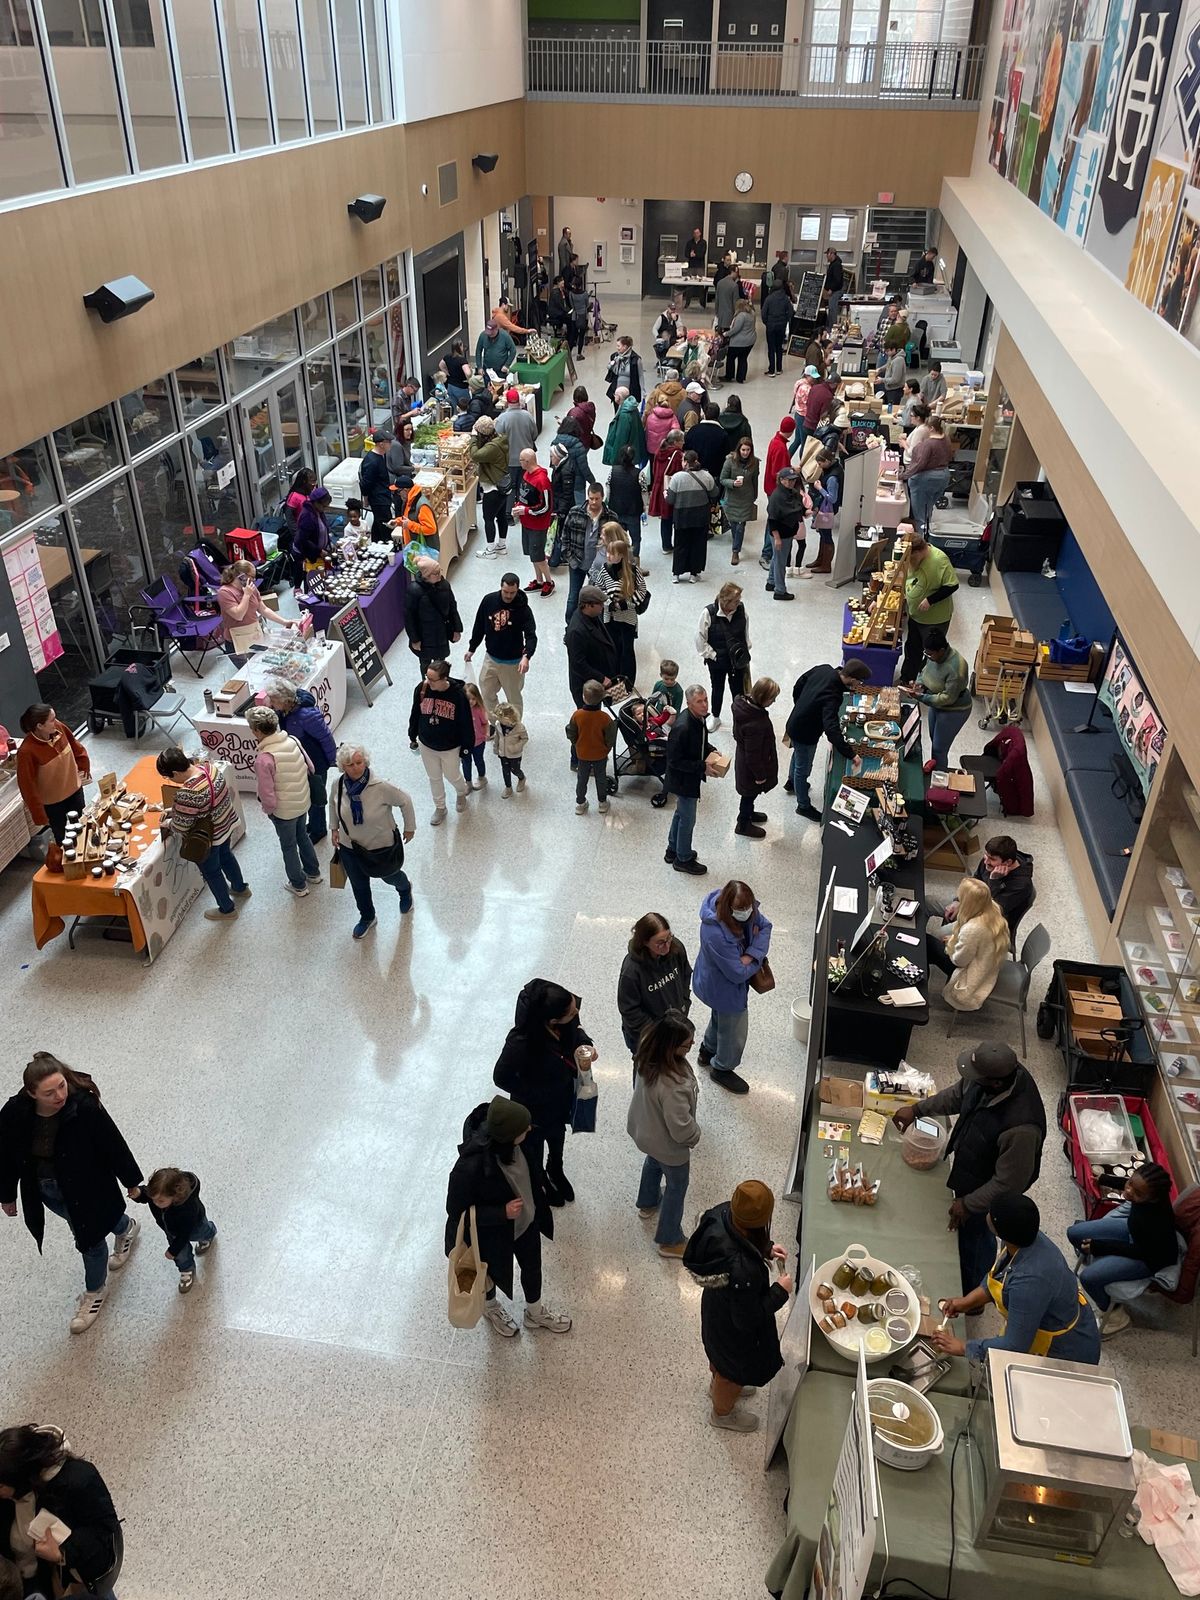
{"x":629,"y":69}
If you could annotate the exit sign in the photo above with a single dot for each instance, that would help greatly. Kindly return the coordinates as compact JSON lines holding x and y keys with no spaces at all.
{"x":885,"y":199}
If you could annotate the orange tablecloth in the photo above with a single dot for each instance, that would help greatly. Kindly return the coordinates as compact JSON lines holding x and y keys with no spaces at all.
{"x":56,"y":897}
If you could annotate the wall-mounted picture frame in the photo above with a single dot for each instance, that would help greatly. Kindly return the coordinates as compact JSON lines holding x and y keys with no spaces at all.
{"x":599,"y":255}
{"x":628,"y":254}
{"x":628,"y":233}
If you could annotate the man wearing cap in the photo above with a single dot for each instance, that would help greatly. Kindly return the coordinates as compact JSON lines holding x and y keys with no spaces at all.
{"x":498,"y":1183}
{"x":785,"y":525}
{"x":591,"y":653}
{"x":695,"y":397}
{"x":535,"y":508}
{"x":816,"y":711}
{"x":374,"y":483}
{"x":495,"y":350}
{"x":816,"y":406}
{"x":995,"y":1145}
{"x":519,"y":431}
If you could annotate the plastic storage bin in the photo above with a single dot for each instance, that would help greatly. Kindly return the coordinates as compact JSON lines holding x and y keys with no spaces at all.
{"x":1118,"y":1145}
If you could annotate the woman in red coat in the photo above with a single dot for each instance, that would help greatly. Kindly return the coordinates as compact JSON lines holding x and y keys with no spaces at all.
{"x":584,"y":413}
{"x":668,"y":459}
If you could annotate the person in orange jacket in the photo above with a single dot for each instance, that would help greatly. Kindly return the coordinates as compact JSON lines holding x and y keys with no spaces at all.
{"x":52,"y":768}
{"x":414,"y":517}
{"x":503,"y":315}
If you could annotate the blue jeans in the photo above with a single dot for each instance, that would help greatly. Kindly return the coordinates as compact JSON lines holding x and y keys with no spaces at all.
{"x":221,"y":872}
{"x":738,"y":533}
{"x":186,"y":1260}
{"x":803,"y":756}
{"x":768,"y":549}
{"x":799,"y":436}
{"x":1111,"y":1230}
{"x":725,"y":1039}
{"x":925,"y":489}
{"x":670,"y":1204}
{"x":576,"y":578}
{"x":976,"y":1251}
{"x":780,"y":561}
{"x":776,"y":339}
{"x":359,"y":880}
{"x":682,"y":823}
{"x":299,"y":857}
{"x":944,"y":728}
{"x":95,"y":1257}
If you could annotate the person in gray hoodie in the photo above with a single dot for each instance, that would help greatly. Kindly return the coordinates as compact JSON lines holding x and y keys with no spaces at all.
{"x":656,"y":978}
{"x":662,"y":1123}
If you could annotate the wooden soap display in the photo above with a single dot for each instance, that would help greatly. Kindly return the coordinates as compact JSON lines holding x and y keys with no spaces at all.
{"x":96,"y":841}
{"x":880,"y":764}
{"x":878,"y":617}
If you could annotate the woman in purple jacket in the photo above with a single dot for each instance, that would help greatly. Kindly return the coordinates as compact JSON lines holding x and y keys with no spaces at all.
{"x":734,"y":940}
{"x":301,"y":716}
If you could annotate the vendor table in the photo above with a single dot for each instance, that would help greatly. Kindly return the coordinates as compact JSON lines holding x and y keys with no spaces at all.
{"x":152,"y":897}
{"x":459,"y":525}
{"x":16,"y":826}
{"x":550,"y":376}
{"x":383,"y":607}
{"x":916,"y":1506}
{"x":882,"y":661}
{"x":229,"y":739}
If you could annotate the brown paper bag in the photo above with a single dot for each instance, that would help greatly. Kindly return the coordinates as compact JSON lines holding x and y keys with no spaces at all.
{"x":337,"y":872}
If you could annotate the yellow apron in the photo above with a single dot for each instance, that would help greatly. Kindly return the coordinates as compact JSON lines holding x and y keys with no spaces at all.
{"x":1043,"y":1340}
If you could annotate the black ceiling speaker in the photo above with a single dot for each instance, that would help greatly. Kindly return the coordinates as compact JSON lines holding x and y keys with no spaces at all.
{"x":119,"y":298}
{"x":485,"y":163}
{"x":367,"y":208}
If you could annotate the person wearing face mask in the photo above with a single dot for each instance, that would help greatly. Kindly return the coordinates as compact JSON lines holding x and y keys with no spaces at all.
{"x":62,"y":1152}
{"x":538,"y":1066}
{"x":735,"y":937}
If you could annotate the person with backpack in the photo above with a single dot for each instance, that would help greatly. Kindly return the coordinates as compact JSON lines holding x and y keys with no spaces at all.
{"x":431,"y":617}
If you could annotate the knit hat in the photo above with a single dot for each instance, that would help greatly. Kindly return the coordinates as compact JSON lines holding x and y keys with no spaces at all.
{"x":590,"y":595}
{"x":1015,"y":1218}
{"x":320,"y":493}
{"x":513,"y":396}
{"x":788,"y":425}
{"x":753,"y":1204}
{"x":992,"y":1059}
{"x":506,"y":1120}
{"x":484,"y":427}
{"x":474,"y":383}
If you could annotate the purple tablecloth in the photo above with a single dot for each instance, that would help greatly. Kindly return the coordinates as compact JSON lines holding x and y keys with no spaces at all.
{"x":881,"y":661}
{"x":383,"y":608}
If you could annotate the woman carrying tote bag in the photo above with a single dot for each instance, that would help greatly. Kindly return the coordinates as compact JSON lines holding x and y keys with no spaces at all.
{"x":366,"y":841}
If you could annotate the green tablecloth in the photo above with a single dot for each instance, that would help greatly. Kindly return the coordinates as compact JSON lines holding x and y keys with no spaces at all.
{"x":916,"y":1506}
{"x":548,"y":375}
{"x":905,"y":1227}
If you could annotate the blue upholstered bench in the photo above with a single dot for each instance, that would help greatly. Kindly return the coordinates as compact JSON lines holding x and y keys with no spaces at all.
{"x":1106,"y":826}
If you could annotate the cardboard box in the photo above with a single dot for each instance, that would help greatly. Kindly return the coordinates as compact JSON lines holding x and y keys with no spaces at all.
{"x":885,"y":1103}
{"x":841,"y":1098}
{"x":718,"y":764}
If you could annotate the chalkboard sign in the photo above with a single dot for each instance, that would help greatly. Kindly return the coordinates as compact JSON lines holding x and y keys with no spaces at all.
{"x":808,"y":300}
{"x":350,"y":625}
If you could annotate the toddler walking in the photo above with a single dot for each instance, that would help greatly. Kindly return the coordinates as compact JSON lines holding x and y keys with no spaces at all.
{"x":479,"y":720}
{"x":175,"y":1204}
{"x":592,"y":733}
{"x":508,"y":743}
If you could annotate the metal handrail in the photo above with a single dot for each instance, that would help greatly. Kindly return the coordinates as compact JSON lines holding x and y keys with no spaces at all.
{"x":698,"y":71}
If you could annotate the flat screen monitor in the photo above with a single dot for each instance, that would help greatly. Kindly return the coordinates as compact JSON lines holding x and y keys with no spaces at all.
{"x":1139,"y":726}
{"x":442,"y":301}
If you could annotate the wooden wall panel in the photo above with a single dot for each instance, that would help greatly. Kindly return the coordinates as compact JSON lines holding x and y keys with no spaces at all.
{"x":824,"y":157}
{"x":224,"y":247}
{"x":1165,"y":657}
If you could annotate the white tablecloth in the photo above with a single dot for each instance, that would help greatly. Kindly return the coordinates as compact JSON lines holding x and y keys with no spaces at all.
{"x":229,"y":738}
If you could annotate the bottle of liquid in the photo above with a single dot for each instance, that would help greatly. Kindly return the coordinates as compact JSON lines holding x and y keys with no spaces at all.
{"x":209,"y":702}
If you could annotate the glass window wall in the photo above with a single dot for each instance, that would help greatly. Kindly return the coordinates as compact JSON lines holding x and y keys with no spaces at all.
{"x":26,"y":485}
{"x":148,"y":416}
{"x":345,"y":306}
{"x":199,"y":385}
{"x":372,"y":292}
{"x":247,"y":73}
{"x":314,"y":321}
{"x":323,"y":407}
{"x":263,"y":351}
{"x":161,"y":486}
{"x":110,"y":552}
{"x":31,"y":158}
{"x":319,"y":67}
{"x":63,"y":684}
{"x":287,"y":70}
{"x":87,"y":449}
{"x":149,"y":84}
{"x":354,"y":397}
{"x":87,"y":90}
{"x":199,"y":53}
{"x":356,"y":112}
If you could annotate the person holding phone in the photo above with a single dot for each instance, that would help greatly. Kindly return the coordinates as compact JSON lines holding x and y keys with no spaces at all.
{"x":44,"y":1487}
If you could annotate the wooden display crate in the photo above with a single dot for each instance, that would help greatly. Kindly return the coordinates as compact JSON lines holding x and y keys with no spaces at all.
{"x":1055,"y":672}
{"x":1001,"y":643}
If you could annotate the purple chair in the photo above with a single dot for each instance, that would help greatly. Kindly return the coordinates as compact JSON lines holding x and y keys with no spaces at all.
{"x":178,"y":617}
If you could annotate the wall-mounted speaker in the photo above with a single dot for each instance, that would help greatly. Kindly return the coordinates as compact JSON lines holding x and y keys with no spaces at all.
{"x":119,"y":298}
{"x":367,"y":207}
{"x":485,"y":163}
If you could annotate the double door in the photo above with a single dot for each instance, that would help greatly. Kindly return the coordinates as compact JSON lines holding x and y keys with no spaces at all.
{"x":815,"y":229}
{"x":276,"y":439}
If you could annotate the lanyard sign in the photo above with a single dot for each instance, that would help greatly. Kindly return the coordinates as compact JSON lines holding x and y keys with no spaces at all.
{"x":350,"y":625}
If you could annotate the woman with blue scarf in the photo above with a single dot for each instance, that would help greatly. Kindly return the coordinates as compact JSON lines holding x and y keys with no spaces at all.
{"x":363,"y":831}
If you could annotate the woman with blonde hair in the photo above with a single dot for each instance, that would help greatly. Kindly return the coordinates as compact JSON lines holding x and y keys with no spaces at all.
{"x":617,"y":576}
{"x":976,"y":949}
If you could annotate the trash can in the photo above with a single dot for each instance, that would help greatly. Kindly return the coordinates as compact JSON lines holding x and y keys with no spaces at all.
{"x":801,"y":1019}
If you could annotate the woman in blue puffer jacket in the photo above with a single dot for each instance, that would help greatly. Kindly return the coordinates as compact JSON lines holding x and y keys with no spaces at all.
{"x":735,"y":937}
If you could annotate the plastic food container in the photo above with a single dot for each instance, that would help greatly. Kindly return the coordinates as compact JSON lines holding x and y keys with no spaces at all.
{"x":906,"y":1432}
{"x":1103,"y":1128}
{"x":923,"y":1144}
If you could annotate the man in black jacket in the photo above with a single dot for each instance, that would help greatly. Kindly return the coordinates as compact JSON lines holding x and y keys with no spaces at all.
{"x":996,"y":1144}
{"x":835,"y":282}
{"x":689,"y":758}
{"x":374,"y":481}
{"x":816,"y":710}
{"x":709,"y":440}
{"x":1008,"y":873}
{"x":590,"y":651}
{"x":431,"y":616}
{"x":504,"y":622}
{"x":696,"y":256}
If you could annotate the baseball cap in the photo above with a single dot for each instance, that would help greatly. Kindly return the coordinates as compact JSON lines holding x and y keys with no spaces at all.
{"x":694,"y":388}
{"x":812,"y":372}
{"x":785,"y":474}
{"x":989,"y":1060}
{"x":513,"y":396}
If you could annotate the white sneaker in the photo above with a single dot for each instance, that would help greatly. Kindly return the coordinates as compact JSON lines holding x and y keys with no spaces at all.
{"x":124,"y":1244}
{"x":520,"y":785}
{"x":313,"y":877}
{"x":501,"y":547}
{"x":544,"y":1316}
{"x":737,"y":1420}
{"x":495,"y":1314}
{"x":292,"y":889}
{"x":461,"y":803}
{"x":678,"y":578}
{"x":580,"y":807}
{"x":487,"y":553}
{"x":438,"y":817}
{"x":88,"y":1308}
{"x":186,"y":1280}
{"x":714,"y":723}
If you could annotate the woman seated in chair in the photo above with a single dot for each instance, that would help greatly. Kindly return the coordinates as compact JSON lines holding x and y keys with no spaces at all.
{"x":976,"y":949}
{"x":1032,"y":1287}
{"x":1133,"y":1242}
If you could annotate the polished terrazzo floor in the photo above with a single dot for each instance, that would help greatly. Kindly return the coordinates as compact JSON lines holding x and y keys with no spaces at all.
{"x":307,"y":1422}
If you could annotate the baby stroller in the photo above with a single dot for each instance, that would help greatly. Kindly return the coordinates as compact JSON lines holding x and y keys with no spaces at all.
{"x":710,"y":358}
{"x":642,"y":757}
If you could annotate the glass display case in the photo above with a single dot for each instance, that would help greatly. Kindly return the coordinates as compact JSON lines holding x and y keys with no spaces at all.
{"x":998,"y":441}
{"x":1159,"y":945}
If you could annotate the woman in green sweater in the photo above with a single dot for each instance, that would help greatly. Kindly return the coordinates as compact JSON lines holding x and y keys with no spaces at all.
{"x":928,"y":599}
{"x":942,"y":687}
